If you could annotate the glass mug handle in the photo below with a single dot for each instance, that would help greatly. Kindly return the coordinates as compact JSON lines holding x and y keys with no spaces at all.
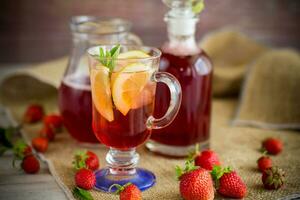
{"x":134,"y":39}
{"x":175,"y":101}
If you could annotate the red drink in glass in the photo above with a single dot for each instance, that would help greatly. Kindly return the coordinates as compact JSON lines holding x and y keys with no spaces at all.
{"x":125,"y":131}
{"x":123,"y":94}
{"x":75,"y":103}
{"x":115,"y":127}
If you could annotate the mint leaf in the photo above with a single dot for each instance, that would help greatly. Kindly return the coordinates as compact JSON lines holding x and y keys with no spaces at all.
{"x":108,"y":58}
{"x":115,"y":51}
{"x":102,"y":56}
{"x":82,"y":194}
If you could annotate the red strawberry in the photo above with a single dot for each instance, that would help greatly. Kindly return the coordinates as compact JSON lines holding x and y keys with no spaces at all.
{"x":54,"y":121}
{"x":34,"y":113}
{"x":47,"y":132}
{"x":272,"y":146}
{"x":128,"y":191}
{"x":30,"y":164}
{"x":264,"y":163}
{"x":27,"y":151}
{"x":21,"y":150}
{"x":85,"y":179}
{"x":207,"y":160}
{"x":195,"y":184}
{"x":86,"y":159}
{"x":40,"y":144}
{"x":229,"y":182}
{"x":273,"y":178}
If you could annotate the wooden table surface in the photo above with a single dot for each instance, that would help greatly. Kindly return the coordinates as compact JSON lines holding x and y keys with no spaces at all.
{"x":14,"y":183}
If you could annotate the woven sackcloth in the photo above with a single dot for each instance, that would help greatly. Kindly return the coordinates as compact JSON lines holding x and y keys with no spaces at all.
{"x":237,"y":146}
{"x":230,"y":52}
{"x":271,"y":94}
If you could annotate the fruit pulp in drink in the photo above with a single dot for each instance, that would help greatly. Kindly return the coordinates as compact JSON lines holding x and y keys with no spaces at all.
{"x":192,"y":123}
{"x":75,"y":103}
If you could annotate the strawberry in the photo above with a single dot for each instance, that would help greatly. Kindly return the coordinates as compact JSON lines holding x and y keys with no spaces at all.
{"x":86,"y":159}
{"x":54,"y":121}
{"x":30,"y":164}
{"x":207,"y":159}
{"x":47,"y":132}
{"x":195,"y":183}
{"x":128,"y":191}
{"x":85,"y":179}
{"x":27,"y":150}
{"x":229,"y":183}
{"x":33,"y":113}
{"x":40,"y":144}
{"x":21,"y":149}
{"x":273,"y":178}
{"x":272,"y":146}
{"x":264,"y":162}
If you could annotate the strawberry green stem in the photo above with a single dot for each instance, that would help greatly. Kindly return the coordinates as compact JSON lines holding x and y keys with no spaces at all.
{"x":120,"y":188}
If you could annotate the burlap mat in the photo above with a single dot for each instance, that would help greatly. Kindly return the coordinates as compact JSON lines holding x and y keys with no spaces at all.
{"x":230,"y":51}
{"x":271,"y":95}
{"x":238,"y":147}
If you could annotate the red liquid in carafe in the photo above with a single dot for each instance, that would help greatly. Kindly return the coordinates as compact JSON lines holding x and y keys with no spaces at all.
{"x":192,"y":123}
{"x":75,"y":103}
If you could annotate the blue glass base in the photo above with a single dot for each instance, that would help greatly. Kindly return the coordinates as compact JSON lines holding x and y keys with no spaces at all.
{"x":143,"y":179}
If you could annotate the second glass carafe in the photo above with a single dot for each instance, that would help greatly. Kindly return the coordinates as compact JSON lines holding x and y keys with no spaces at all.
{"x":75,"y":100}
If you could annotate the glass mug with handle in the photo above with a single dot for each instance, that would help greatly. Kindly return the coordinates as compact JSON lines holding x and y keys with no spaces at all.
{"x":123,"y":83}
{"x":75,"y":101}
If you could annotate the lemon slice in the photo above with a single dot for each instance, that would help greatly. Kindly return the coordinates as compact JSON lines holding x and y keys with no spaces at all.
{"x":145,"y":97}
{"x":133,"y":54}
{"x":122,"y":64}
{"x":128,"y":84}
{"x":101,"y":93}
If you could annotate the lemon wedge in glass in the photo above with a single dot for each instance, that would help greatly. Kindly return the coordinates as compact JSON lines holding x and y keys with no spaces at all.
{"x":101,"y":92}
{"x":128,"y":84}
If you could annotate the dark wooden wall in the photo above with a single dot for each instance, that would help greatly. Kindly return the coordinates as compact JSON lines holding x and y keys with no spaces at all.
{"x":37,"y":30}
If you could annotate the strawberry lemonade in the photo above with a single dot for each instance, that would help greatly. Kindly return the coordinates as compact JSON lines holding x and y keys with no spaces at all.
{"x":123,"y":82}
{"x":120,"y":121}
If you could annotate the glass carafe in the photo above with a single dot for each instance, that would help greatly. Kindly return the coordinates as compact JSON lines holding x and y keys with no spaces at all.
{"x":75,"y":102}
{"x":182,"y":57}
